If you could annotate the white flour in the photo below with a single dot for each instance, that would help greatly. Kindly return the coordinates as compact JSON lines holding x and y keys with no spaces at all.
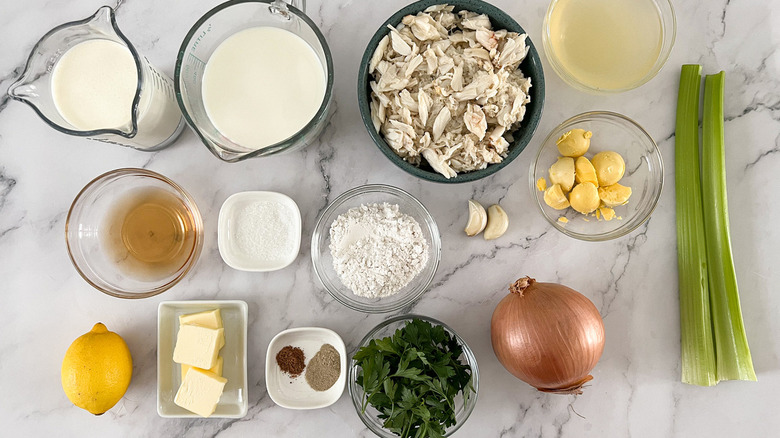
{"x":377,"y":250}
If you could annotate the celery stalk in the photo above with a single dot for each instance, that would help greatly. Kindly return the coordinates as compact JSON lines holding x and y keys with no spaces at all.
{"x":731,"y":347}
{"x":696,"y":342}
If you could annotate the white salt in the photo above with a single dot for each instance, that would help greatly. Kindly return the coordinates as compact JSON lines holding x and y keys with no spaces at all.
{"x":264,"y":230}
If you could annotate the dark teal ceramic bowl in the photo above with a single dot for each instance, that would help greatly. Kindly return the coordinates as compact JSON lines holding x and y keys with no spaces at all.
{"x":531,"y":67}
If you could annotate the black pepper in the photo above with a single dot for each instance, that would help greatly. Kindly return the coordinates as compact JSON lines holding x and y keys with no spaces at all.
{"x":324,"y":368}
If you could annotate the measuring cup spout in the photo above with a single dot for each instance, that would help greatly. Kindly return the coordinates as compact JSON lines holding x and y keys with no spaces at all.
{"x":104,"y":19}
{"x":22,"y":91}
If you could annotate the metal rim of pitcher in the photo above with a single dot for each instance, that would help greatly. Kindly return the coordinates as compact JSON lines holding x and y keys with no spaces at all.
{"x":276,"y":147}
{"x":136,"y":98}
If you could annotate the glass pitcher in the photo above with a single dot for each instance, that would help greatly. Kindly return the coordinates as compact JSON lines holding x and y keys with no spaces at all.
{"x":208,"y":33}
{"x":155,"y":120}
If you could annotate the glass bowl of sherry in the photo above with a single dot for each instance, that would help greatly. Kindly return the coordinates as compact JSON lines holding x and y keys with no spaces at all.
{"x":133,"y":233}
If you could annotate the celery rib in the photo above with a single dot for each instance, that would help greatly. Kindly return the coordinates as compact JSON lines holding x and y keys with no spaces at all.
{"x":732,"y":353}
{"x":696,"y":340}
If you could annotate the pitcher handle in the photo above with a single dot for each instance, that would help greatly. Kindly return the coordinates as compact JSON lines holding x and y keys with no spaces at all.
{"x":280,"y":6}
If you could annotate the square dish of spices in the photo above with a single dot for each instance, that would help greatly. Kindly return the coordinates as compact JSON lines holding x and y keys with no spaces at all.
{"x":259,"y":231}
{"x":306,"y":368}
{"x":233,"y":316}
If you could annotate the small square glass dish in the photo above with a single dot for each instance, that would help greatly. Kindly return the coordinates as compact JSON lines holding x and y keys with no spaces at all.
{"x":234,"y":400}
{"x":295,"y":392}
{"x":259,"y":231}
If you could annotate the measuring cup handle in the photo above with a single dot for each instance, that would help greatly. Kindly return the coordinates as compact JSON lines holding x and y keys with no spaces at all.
{"x":300,"y":4}
{"x":280,"y":6}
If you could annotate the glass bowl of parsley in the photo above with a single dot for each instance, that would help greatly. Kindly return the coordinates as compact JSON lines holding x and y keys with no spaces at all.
{"x":413,"y":376}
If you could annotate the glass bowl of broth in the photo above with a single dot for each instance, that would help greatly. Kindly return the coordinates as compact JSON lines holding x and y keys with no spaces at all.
{"x":602,"y":46}
{"x":133,"y":233}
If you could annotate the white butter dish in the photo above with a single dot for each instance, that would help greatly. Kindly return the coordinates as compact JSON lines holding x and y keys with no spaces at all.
{"x":234,"y":400}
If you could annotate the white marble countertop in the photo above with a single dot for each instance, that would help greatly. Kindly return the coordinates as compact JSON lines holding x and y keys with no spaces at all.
{"x":633,"y":280}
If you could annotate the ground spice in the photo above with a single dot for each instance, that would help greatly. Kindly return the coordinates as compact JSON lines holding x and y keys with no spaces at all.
{"x":324,"y":368}
{"x":291,"y":360}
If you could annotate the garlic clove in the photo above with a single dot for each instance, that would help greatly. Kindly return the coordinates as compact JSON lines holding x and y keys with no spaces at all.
{"x":477,"y":218}
{"x":497,"y":222}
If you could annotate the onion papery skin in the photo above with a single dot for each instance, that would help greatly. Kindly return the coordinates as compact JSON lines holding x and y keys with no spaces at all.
{"x":547,"y":335}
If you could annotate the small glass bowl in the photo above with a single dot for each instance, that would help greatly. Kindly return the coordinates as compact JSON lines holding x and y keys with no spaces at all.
{"x":463,"y":405}
{"x":644,"y":174}
{"x":323,"y":261}
{"x":85,"y":232}
{"x":668,"y":21}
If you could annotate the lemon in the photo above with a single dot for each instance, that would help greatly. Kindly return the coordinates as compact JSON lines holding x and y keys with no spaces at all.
{"x":97,"y":370}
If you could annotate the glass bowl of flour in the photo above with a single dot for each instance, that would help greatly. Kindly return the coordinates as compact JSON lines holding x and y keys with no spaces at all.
{"x":375,"y":248}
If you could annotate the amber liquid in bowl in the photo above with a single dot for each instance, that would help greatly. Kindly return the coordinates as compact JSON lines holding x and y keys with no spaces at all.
{"x":149,"y":233}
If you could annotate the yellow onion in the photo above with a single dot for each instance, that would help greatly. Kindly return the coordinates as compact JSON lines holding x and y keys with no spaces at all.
{"x":547,"y":335}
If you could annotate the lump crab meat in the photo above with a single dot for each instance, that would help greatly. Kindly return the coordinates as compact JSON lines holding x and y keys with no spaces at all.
{"x":446,"y":87}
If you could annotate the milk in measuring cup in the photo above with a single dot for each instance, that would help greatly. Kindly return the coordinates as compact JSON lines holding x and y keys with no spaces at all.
{"x":93,"y":86}
{"x":262,"y":85}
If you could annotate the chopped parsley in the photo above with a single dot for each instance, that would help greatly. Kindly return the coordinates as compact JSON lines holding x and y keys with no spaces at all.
{"x":412,"y":379}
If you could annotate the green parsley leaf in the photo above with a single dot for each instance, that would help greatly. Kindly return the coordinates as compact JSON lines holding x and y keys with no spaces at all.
{"x":412,"y":379}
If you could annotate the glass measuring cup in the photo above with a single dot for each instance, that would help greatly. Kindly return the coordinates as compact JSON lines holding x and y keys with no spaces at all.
{"x":155,"y":120}
{"x":208,"y":33}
